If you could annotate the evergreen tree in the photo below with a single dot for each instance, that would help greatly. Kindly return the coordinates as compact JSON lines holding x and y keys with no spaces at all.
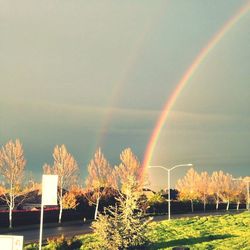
{"x":123,"y":226}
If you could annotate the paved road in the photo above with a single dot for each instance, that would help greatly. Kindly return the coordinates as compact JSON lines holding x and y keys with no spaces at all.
{"x":69,"y":229}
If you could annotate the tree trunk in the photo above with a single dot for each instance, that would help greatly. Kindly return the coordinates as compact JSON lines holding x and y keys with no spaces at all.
{"x":60,"y":213}
{"x":204,"y":203}
{"x":217,"y":203}
{"x":227,"y":205}
{"x":60,"y":201}
{"x":192,"y":206}
{"x":11,"y":204}
{"x":238,"y":205}
{"x":96,"y":208}
{"x":10,"y":216}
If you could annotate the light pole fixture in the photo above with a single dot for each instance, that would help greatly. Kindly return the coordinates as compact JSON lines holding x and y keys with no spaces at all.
{"x":169,"y":170}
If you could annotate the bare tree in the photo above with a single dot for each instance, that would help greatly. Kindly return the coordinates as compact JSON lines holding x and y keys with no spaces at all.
{"x":12,"y":165}
{"x":130,"y":167}
{"x":239,"y":192}
{"x":227,"y":189}
{"x":204,"y":188}
{"x":67,"y":170}
{"x":217,"y":182}
{"x":187,"y":187}
{"x":100,"y":178}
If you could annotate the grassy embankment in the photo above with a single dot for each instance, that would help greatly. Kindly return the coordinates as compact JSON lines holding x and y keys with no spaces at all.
{"x":213,"y":232}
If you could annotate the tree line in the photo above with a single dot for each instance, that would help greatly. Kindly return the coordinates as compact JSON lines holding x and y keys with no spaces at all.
{"x":215,"y":188}
{"x":103,"y":180}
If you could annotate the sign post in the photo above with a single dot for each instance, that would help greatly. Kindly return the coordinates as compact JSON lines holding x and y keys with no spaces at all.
{"x":49,"y":197}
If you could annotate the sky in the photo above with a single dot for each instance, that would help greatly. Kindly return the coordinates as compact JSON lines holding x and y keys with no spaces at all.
{"x":92,"y":74}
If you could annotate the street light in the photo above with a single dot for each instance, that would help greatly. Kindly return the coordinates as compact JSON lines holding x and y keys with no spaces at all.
{"x":247,"y":182}
{"x":169,"y":170}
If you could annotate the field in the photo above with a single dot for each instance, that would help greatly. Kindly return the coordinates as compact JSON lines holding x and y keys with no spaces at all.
{"x":213,"y":232}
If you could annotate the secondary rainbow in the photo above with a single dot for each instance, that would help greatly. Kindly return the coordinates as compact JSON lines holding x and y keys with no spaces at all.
{"x":185,"y":78}
{"x":128,"y":69}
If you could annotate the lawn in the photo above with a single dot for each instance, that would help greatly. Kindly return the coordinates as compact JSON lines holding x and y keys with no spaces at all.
{"x":213,"y":232}
{"x":225,"y":232}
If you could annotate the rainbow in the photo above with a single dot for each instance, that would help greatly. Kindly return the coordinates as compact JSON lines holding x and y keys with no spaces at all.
{"x":128,"y":69}
{"x":184,"y":80}
{"x":117,"y":90}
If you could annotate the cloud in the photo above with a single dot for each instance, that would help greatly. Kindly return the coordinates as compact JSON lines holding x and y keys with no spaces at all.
{"x":54,"y":116}
{"x":201,"y":121}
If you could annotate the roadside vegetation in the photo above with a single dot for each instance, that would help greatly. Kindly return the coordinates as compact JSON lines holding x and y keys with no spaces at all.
{"x":211,"y":232}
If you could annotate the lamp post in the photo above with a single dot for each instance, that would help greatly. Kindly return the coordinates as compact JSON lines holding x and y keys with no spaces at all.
{"x":248,"y":199}
{"x":169,"y":170}
{"x":247,"y":181}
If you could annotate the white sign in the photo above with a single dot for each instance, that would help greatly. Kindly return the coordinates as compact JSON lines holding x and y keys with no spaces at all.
{"x":11,"y":242}
{"x":49,"y":189}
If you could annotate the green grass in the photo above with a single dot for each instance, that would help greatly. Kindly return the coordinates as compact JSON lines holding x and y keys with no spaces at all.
{"x":212,"y":232}
{"x":225,"y":232}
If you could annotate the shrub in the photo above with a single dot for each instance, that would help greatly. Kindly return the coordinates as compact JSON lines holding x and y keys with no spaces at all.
{"x":61,"y":243}
{"x":32,"y":246}
{"x":123,"y":226}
